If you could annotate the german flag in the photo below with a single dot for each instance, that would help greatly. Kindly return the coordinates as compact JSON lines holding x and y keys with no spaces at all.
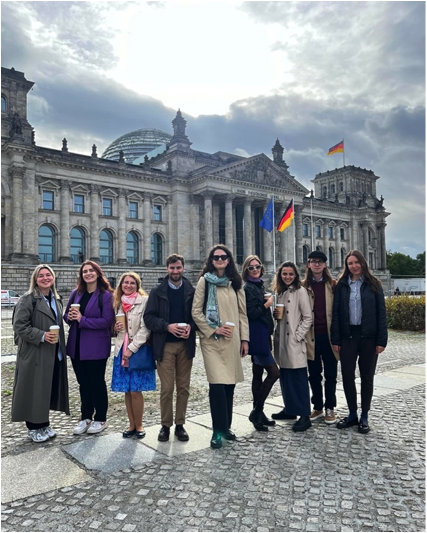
{"x":338,"y":148}
{"x":287,"y":217}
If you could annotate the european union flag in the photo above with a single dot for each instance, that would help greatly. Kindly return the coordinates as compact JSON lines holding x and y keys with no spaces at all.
{"x":267,"y":221}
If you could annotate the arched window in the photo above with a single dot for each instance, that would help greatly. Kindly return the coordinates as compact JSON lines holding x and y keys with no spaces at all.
{"x":77,"y":245}
{"x":332,"y":189}
{"x":132,"y":248}
{"x":106,"y":246}
{"x":343,"y":254}
{"x":157,"y":249}
{"x":319,"y":248}
{"x":3,"y":104}
{"x":341,"y":186}
{"x":305,"y":252}
{"x":47,"y":244}
{"x":331,"y":258}
{"x":325,"y":191}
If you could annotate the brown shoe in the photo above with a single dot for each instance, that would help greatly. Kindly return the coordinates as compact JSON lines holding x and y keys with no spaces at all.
{"x":330,"y":417}
{"x":315,"y":414}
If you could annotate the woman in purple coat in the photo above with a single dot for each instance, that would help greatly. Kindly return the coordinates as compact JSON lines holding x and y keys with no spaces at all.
{"x":89,"y":344}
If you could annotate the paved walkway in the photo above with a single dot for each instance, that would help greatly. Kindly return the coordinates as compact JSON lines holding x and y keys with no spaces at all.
{"x":322,"y":480}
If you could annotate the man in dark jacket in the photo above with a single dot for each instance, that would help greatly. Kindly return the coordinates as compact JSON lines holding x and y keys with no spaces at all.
{"x":168,"y":316}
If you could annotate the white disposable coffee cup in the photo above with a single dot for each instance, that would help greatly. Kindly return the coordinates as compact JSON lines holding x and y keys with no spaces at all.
{"x":120,"y":317}
{"x":55,"y":329}
{"x":267,"y":295}
{"x":280,"y":308}
{"x":182,"y":324}
{"x":75,"y":306}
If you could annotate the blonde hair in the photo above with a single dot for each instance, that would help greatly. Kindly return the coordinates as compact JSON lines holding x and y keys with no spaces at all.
{"x":118,"y":293}
{"x":35,"y":275}
{"x":248,"y":261}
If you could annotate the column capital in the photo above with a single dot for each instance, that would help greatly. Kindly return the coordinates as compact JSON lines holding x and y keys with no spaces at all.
{"x":207,"y":195}
{"x":66,"y":185}
{"x":123,"y":192}
{"x":230,"y":197}
{"x":249,"y":201}
{"x":95,"y":189}
{"x":17,"y":171}
{"x":148,"y":196}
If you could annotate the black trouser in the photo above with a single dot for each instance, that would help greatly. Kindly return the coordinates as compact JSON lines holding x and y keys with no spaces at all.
{"x":295,"y":390}
{"x":221,"y":403}
{"x":261,"y":389}
{"x":362,"y":350}
{"x":93,"y":390}
{"x":323,"y":354}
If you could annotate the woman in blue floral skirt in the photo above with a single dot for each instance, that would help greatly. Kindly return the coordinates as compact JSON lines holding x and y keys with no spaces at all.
{"x":130,"y":299}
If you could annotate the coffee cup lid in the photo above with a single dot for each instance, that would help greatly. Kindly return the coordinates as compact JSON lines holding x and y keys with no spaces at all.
{"x":230,"y":324}
{"x":54,"y":327}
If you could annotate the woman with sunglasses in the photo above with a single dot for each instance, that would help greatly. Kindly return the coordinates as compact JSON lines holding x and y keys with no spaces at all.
{"x":290,"y":346}
{"x":261,"y":327}
{"x":219,"y":310}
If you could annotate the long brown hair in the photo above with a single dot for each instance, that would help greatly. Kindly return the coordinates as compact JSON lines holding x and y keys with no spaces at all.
{"x":374,"y":282}
{"x":308,"y":281}
{"x":230,"y":271}
{"x":118,"y":293}
{"x":102,"y":282}
{"x":279,"y":285}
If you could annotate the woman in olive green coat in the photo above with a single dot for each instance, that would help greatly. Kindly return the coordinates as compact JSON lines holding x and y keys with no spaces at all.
{"x":41,"y":381}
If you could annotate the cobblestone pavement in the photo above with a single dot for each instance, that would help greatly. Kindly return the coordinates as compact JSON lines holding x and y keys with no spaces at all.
{"x":321,"y":480}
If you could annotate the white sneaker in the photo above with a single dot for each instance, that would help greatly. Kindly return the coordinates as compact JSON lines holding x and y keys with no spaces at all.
{"x":37,"y":435}
{"x":97,"y":427}
{"x":82,"y":427}
{"x":49,"y":432}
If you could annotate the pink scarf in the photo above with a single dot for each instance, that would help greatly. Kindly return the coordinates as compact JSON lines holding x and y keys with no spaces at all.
{"x":127,"y":303}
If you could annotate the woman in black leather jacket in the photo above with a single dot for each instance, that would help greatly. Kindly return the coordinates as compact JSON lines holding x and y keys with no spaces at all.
{"x":359,"y":333}
{"x":261,"y":327}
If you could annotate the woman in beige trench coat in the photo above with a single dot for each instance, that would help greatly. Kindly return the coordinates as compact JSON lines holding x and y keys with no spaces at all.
{"x":41,"y":381}
{"x":219,"y":299}
{"x":290,"y":345}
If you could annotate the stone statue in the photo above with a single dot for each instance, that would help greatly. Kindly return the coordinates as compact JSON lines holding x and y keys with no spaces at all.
{"x":16,"y":128}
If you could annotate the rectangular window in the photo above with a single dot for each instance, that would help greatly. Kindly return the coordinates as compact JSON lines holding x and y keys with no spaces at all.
{"x":305,"y":230}
{"x":107,"y":207}
{"x":342,"y":233}
{"x":48,"y":199}
{"x":133,"y":209}
{"x":157,"y":213}
{"x":331,"y":232}
{"x":79,"y":203}
{"x":318,"y":231}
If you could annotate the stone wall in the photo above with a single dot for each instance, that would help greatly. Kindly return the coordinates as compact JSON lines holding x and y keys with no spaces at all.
{"x":17,"y":277}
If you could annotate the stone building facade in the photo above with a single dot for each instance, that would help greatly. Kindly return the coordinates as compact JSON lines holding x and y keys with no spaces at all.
{"x":61,"y":207}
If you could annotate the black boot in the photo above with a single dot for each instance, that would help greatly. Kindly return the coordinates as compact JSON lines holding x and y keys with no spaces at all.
{"x":257,"y":420}
{"x":267,"y":421}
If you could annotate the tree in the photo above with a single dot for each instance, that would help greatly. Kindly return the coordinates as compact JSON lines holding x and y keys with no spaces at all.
{"x":400,"y":264}
{"x":421,"y":264}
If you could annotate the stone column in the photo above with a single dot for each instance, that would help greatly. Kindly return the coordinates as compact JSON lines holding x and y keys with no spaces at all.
{"x":94,"y":222}
{"x":30,"y":213}
{"x":207,"y":196}
{"x":195,"y":232}
{"x":248,"y":227}
{"x":298,"y":234}
{"x":365,"y":230}
{"x":64,"y":223}
{"x":267,"y":244}
{"x":325,"y":243}
{"x":122,"y":259}
{"x":147,"y":229}
{"x":17,"y":172}
{"x":337,"y":247}
{"x":229,"y":226}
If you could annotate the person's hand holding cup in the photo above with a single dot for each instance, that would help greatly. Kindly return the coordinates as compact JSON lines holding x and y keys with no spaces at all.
{"x":52,"y":336}
{"x":74,"y":311}
{"x":120,"y":322}
{"x":184,"y":330}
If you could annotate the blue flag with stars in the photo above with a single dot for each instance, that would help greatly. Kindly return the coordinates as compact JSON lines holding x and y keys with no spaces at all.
{"x":267,"y":221}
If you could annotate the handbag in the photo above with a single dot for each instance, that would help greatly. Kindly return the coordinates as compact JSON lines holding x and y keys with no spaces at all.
{"x":260,"y":341}
{"x":142,"y":359}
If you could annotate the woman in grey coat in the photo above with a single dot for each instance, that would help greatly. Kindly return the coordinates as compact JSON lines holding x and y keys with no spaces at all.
{"x":41,"y":381}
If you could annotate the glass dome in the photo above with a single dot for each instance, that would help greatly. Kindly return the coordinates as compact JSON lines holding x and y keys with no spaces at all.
{"x":136,"y":144}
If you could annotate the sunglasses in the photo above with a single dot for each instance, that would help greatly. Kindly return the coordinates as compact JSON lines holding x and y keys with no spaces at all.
{"x":219,"y":257}
{"x":254,"y":267}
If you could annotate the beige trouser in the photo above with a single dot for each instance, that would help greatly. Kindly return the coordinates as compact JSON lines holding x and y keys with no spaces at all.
{"x":174,"y":366}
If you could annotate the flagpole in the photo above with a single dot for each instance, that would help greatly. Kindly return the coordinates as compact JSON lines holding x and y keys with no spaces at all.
{"x":293,"y":206}
{"x":343,"y":151}
{"x":312,"y":227}
{"x":274,"y":239}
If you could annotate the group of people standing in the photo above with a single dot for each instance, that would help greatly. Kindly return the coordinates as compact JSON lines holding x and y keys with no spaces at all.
{"x":315,"y":323}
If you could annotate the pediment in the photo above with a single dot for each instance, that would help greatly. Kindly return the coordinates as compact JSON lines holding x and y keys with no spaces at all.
{"x":159,"y":200}
{"x":260,"y":170}
{"x":80,"y":188}
{"x":135,"y":196}
{"x":109,"y":192}
{"x":48,"y":184}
